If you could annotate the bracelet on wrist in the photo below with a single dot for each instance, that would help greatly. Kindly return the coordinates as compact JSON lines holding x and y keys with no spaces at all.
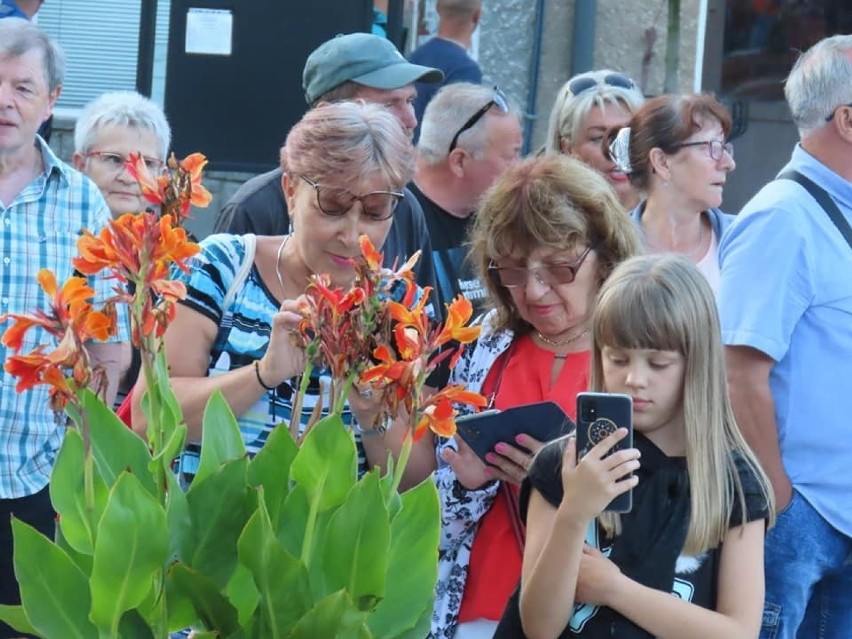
{"x":259,"y":378}
{"x":381,"y":429}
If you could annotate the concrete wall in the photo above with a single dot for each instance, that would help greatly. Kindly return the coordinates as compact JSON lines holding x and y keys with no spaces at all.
{"x":507,"y":36}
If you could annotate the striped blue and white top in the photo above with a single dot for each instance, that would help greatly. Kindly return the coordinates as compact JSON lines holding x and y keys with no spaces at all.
{"x":244,"y":330}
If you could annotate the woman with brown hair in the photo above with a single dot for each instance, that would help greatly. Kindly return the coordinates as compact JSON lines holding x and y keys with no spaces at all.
{"x":546,"y":235}
{"x":676,"y":150}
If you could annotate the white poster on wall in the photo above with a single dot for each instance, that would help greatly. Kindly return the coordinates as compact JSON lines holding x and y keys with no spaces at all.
{"x":209,"y":31}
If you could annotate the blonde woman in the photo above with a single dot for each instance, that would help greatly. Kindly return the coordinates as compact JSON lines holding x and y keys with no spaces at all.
{"x":587,"y":106}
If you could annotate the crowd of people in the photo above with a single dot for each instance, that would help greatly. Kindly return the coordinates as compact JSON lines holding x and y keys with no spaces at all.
{"x":603,"y":262}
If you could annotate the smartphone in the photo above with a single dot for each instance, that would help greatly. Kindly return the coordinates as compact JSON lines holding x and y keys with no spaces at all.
{"x":544,"y":421}
{"x":599,"y":415}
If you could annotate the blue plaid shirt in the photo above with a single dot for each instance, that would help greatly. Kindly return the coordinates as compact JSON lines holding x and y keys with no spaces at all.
{"x":39,"y":229}
{"x":8,"y":9}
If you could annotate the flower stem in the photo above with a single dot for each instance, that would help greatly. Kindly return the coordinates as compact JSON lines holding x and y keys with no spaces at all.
{"x":310,"y":526}
{"x":402,"y":462}
{"x":296,"y":410}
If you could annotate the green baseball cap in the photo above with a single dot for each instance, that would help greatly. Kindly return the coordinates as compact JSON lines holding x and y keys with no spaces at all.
{"x":363,"y":58}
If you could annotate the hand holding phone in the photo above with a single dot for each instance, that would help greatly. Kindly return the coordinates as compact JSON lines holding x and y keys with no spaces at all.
{"x":543,"y":421}
{"x":598,"y":416}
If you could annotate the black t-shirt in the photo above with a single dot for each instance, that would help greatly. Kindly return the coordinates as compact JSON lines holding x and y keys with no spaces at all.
{"x":649,"y":548}
{"x":454,"y":272}
{"x":259,"y":207}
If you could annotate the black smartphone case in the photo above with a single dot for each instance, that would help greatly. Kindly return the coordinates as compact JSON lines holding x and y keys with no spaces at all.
{"x":598,"y":415}
{"x":544,"y":421}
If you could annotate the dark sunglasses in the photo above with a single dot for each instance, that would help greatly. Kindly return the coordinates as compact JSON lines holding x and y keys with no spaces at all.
{"x":499,"y":100}
{"x":336,"y":202}
{"x":547,"y":274}
{"x":580,"y":85}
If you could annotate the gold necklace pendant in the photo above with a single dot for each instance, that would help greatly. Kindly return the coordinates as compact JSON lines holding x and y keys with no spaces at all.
{"x":570,"y":340}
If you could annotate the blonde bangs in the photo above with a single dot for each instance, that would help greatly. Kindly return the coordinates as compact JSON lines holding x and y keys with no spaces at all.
{"x":639,"y":315}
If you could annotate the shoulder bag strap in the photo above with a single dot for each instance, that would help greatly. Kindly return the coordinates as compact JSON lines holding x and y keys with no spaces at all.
{"x":824,"y":200}
{"x":518,"y":527}
{"x":240,"y":276}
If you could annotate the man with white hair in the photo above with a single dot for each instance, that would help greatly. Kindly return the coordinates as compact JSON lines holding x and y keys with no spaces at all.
{"x":471,"y":135}
{"x":44,"y":206}
{"x":789,"y":337}
{"x":448,"y":50}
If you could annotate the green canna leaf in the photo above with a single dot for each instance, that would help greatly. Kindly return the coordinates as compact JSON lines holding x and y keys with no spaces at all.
{"x":412,"y":563}
{"x":131,"y":547}
{"x":281,"y":580}
{"x":355,"y":548}
{"x":54,"y":591}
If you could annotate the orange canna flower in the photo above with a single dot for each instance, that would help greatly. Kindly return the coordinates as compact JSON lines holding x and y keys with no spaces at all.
{"x":439,"y":413}
{"x":150,"y":187}
{"x":455,"y":329}
{"x":69,"y":308}
{"x":193,"y":165}
{"x":439,"y":418}
{"x":371,"y":255}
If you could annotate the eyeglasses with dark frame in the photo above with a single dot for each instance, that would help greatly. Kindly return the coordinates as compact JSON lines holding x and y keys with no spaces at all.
{"x":581,"y":85}
{"x":547,"y":274}
{"x":336,"y":201}
{"x":498,"y":99}
{"x":831,"y":115}
{"x":714,"y":147}
{"x":113,"y":161}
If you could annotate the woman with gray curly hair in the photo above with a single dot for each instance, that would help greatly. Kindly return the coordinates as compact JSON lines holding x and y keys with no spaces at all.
{"x":345,"y":165}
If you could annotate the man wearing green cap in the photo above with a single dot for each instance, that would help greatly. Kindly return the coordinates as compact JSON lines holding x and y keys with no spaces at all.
{"x":356,"y":66}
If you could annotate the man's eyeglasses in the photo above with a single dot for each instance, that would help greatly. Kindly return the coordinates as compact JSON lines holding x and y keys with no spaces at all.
{"x":830,"y":116}
{"x":336,"y":202}
{"x":115,"y":162}
{"x":581,"y":85}
{"x":714,"y":147}
{"x":499,"y":100}
{"x":547,"y":274}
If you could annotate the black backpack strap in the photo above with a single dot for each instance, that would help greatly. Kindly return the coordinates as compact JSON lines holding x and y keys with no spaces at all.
{"x":824,"y":200}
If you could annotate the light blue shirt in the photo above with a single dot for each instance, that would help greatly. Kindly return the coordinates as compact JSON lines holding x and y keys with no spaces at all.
{"x":39,"y":229}
{"x":786,"y":290}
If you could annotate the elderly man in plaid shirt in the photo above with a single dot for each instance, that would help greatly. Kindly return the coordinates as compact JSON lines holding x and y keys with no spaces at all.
{"x":44,"y":205}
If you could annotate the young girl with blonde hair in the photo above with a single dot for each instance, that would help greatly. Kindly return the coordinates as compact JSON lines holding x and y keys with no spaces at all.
{"x":700,"y":500}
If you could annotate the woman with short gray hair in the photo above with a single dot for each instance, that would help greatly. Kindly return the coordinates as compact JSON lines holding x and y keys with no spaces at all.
{"x":345,"y":165}
{"x":109,"y":129}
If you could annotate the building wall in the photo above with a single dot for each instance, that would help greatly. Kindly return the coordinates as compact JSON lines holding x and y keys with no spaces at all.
{"x":621,"y":28}
{"x":506,"y":54}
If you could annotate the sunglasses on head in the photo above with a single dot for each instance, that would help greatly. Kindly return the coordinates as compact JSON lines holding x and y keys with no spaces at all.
{"x":498,"y":99}
{"x":580,"y":85}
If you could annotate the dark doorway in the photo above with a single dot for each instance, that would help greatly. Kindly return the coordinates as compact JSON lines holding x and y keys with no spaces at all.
{"x":747,"y":67}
